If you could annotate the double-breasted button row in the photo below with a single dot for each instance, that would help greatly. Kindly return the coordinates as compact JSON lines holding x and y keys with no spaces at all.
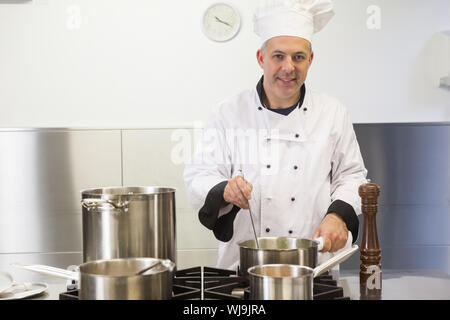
{"x":268,"y":230}
{"x":295,"y":167}
{"x":297,"y":135}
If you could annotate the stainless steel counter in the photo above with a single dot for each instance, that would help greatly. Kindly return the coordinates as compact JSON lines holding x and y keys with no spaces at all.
{"x":396,"y":285}
{"x":402,"y":284}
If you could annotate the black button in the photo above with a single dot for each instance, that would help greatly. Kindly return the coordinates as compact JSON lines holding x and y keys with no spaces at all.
{"x":292,"y":199}
{"x":295,"y":167}
{"x":259,"y":108}
{"x":268,"y":166}
{"x":267,"y":230}
{"x":305,"y":109}
{"x":290,"y":231}
{"x":297,"y":135}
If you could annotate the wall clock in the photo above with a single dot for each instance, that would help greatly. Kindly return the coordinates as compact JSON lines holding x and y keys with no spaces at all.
{"x":221,"y":22}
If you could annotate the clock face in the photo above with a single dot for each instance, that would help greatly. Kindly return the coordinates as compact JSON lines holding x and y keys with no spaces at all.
{"x":221,"y":22}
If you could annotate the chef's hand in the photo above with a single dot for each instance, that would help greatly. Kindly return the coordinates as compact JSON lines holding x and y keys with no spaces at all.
{"x":238,"y":192}
{"x":334,"y":232}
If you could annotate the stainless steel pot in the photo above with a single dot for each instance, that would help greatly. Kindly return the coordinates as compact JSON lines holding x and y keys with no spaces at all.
{"x":281,"y":282}
{"x":124,"y":222}
{"x":118,"y":279}
{"x":279,"y":250}
{"x":288,"y":281}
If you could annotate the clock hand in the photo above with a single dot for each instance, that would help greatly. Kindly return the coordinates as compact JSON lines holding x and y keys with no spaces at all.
{"x":222,"y":21}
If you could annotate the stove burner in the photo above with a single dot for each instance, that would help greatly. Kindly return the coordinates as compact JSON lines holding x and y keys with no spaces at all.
{"x":205,"y":283}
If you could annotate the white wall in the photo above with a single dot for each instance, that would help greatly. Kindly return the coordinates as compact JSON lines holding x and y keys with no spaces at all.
{"x":140,"y":63}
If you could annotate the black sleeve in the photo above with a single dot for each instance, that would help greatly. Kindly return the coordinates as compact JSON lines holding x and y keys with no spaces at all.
{"x":348,"y":214}
{"x":208,"y":214}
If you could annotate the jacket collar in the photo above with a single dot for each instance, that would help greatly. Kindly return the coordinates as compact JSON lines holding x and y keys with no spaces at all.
{"x":263,"y":97}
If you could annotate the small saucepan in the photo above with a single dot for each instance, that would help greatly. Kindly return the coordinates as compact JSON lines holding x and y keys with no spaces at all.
{"x":289,"y":281}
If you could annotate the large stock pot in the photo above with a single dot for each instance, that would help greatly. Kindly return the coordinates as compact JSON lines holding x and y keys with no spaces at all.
{"x":124,"y":222}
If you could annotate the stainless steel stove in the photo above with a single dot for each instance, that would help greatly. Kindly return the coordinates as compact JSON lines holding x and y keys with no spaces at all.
{"x":205,"y":283}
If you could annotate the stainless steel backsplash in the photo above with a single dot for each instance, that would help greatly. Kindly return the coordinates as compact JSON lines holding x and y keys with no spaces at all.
{"x":411,"y":164}
{"x":42,"y":172}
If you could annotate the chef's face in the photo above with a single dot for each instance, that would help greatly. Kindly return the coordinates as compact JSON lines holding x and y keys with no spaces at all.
{"x":285,"y":61}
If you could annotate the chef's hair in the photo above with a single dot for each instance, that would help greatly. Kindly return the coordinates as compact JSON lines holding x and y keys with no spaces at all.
{"x":263,"y":47}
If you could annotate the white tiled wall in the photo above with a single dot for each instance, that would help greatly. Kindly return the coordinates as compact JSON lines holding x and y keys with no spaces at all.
{"x":191,"y":234}
{"x":197,"y":257}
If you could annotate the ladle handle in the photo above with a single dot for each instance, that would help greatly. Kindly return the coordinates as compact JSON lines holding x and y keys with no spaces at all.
{"x":148,"y":268}
{"x":253,"y":226}
{"x":241,"y":173}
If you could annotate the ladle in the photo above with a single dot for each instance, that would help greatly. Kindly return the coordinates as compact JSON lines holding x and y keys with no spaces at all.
{"x":148,"y":268}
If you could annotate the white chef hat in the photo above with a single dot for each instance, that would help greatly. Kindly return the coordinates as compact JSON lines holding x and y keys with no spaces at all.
{"x":298,"y":18}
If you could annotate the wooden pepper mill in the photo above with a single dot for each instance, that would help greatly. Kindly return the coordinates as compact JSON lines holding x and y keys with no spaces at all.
{"x":370,"y":252}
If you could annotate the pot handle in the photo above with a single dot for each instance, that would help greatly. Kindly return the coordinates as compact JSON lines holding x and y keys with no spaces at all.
{"x":338,"y":258}
{"x":319,"y":241}
{"x":51,"y":271}
{"x":168,"y":264}
{"x":92,"y":203}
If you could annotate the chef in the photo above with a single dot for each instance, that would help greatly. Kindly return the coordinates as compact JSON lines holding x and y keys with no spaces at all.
{"x":287,"y":152}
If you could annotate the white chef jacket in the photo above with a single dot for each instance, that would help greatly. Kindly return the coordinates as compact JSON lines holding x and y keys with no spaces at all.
{"x":298,"y":165}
